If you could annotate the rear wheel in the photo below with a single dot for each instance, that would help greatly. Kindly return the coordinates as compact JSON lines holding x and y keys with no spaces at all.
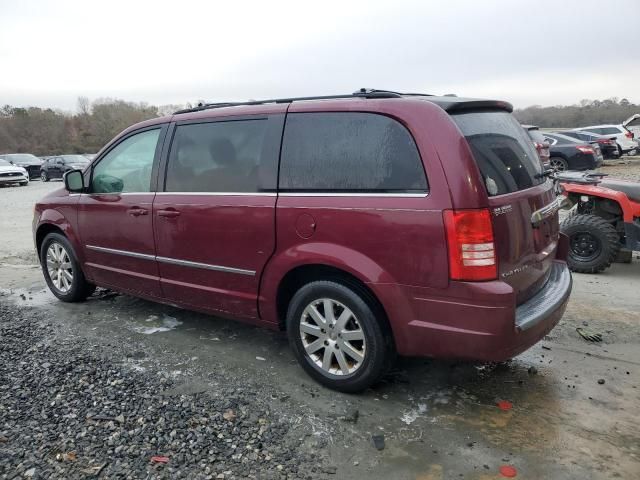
{"x":44,"y":177}
{"x":558,"y":164}
{"x":337,"y":336}
{"x":62,"y":270}
{"x":593,"y":243}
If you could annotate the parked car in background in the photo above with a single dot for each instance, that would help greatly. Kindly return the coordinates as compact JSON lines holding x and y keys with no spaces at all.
{"x":633,"y":125}
{"x":571,"y":154}
{"x":259,"y":211}
{"x":57,"y":166}
{"x":29,"y":162}
{"x":542,"y":146}
{"x":11,"y":174}
{"x":624,"y":138}
{"x":607,"y":145}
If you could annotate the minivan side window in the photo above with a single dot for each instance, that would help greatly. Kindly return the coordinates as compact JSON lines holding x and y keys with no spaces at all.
{"x":349,"y":152}
{"x":224,"y":156}
{"x":609,"y":131}
{"x":127,"y":167}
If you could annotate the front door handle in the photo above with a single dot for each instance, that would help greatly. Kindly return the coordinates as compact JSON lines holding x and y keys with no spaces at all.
{"x":137,"y":211}
{"x":170,"y":213}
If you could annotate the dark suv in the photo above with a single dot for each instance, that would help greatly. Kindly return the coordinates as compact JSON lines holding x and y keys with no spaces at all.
{"x":365,"y":225}
{"x":56,"y":167}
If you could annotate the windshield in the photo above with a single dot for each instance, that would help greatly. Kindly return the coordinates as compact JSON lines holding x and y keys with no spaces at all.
{"x":75,"y":159}
{"x":22,"y":157}
{"x":536,"y":136}
{"x":564,"y":138}
{"x":502,"y":149}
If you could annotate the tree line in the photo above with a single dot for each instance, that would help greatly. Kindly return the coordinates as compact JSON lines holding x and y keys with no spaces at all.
{"x":44,"y":131}
{"x":587,"y":112}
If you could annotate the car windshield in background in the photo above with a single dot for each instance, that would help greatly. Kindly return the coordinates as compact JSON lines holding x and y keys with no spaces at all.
{"x":536,"y":136}
{"x":564,"y":138}
{"x":505,"y":156}
{"x":75,"y":159}
{"x":4,"y":163}
{"x":22,"y":157}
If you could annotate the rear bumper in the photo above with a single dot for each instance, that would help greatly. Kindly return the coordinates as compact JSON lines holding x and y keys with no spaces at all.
{"x":480,"y":321}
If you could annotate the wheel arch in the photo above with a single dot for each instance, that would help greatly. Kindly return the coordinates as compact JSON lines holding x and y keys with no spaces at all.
{"x":52,"y":220}
{"x":301,"y":275}
{"x":44,"y":230}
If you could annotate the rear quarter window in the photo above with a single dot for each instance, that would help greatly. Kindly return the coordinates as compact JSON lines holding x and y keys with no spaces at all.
{"x":502,"y":150}
{"x":349,"y":152}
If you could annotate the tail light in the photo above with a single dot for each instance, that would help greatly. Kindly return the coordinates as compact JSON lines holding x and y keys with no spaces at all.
{"x":628,"y":135}
{"x":472,"y":251}
{"x":586,"y":149}
{"x":605,"y":141}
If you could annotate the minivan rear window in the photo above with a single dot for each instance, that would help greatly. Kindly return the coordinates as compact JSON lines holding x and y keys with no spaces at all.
{"x":502,"y":149}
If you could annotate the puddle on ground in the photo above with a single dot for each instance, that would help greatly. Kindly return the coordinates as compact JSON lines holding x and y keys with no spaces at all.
{"x":35,"y":296}
{"x":155,"y":324}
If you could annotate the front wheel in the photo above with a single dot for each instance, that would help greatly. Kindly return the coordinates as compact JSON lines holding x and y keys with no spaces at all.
{"x":44,"y":177}
{"x":593,"y":243}
{"x":338,"y":336}
{"x":62,"y":270}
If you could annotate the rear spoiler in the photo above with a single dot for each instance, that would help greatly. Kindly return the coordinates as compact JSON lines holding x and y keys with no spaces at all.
{"x":457,"y":104}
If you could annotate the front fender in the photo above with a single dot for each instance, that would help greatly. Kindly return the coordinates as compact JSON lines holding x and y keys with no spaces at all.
{"x":65,"y":219}
{"x":620,"y":198}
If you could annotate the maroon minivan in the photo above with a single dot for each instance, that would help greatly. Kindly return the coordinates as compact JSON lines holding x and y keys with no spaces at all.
{"x":365,"y":225}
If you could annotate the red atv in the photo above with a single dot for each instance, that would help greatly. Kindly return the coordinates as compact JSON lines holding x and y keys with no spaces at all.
{"x":604,"y":218}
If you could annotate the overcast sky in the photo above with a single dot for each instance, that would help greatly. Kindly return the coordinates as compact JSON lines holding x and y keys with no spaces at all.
{"x":526,"y":52}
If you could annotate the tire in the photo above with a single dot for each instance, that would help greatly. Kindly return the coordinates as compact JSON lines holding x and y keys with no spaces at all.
{"x":558,"y":164}
{"x":593,"y":243}
{"x":345,"y":372}
{"x":44,"y":177}
{"x":24,"y":184}
{"x":75,"y":290}
{"x":620,"y":150}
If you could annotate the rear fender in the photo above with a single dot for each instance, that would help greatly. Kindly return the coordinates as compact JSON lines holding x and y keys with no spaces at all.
{"x":318,"y":253}
{"x":629,"y":208}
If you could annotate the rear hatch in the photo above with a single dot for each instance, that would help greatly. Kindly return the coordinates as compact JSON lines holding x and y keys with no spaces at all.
{"x":512,"y":174}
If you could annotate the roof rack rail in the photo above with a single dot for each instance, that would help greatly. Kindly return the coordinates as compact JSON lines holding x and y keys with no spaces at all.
{"x":361,"y":93}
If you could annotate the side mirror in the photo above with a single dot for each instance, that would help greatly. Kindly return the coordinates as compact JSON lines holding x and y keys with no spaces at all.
{"x":74,"y":181}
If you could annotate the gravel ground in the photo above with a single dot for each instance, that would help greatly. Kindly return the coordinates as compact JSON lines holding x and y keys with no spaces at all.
{"x":67,"y":410}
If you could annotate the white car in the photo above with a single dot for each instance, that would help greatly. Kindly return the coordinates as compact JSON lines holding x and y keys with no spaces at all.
{"x":12,"y":175}
{"x":633,"y":125}
{"x":624,"y":138}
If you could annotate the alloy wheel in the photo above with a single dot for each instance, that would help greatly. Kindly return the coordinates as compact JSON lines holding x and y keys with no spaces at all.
{"x":558,"y":165}
{"x":332,"y":337}
{"x":59,"y":267}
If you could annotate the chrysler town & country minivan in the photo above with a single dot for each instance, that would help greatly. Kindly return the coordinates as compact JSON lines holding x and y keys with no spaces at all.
{"x":365,"y":225}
